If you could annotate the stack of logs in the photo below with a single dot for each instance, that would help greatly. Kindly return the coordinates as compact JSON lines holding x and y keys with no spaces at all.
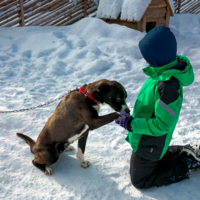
{"x":43,"y":12}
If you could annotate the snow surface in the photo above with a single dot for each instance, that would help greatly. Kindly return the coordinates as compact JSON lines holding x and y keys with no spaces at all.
{"x":39,"y":64}
{"x":129,"y":9}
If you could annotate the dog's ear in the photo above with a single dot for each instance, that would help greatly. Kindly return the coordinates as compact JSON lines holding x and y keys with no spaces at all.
{"x":126,"y":95}
{"x":104,"y":87}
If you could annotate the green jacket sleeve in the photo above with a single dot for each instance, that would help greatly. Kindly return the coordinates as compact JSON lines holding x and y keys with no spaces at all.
{"x":165,"y":115}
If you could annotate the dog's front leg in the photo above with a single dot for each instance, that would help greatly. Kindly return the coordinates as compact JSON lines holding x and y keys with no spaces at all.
{"x":99,"y":121}
{"x":81,"y":150}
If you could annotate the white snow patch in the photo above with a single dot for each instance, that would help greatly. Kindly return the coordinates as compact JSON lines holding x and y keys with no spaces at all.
{"x":39,"y":64}
{"x":109,"y":9}
{"x":134,"y":9}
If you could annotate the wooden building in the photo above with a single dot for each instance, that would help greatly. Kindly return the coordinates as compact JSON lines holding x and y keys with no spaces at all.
{"x":137,"y":14}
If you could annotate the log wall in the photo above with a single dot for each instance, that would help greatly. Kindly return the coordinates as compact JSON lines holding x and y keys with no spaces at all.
{"x":132,"y":25}
{"x":43,"y":12}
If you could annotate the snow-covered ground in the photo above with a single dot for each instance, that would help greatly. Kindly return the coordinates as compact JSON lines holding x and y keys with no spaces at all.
{"x":39,"y":64}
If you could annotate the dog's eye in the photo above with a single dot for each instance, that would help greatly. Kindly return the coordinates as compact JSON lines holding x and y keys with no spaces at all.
{"x":118,"y":99}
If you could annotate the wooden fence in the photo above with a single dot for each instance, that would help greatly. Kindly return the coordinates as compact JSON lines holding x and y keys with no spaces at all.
{"x":62,"y":12}
{"x":44,"y":12}
{"x":187,"y":6}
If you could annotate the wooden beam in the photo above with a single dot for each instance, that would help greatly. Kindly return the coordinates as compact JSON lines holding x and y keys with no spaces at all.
{"x":144,"y":21}
{"x":6,"y":7}
{"x":158,"y":3}
{"x":179,"y":6}
{"x":4,"y":3}
{"x":171,"y":11}
{"x":9,"y":19}
{"x":123,"y":23}
{"x":141,"y":25}
{"x":90,"y":10}
{"x":9,"y":13}
{"x":53,"y":15}
{"x":43,"y":12}
{"x":131,"y":20}
{"x":162,"y":19}
{"x":156,"y":12}
{"x":167,"y":17}
{"x":159,"y":6}
{"x":85,"y":8}
{"x":22,"y":12}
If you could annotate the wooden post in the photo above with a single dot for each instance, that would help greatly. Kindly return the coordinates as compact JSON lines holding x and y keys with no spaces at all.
{"x":179,"y":6}
{"x":167,"y":17}
{"x":144,"y":21}
{"x":85,"y":8}
{"x":141,"y":25}
{"x":22,"y":12}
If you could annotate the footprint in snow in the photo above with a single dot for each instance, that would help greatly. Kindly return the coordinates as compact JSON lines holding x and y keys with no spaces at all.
{"x":59,"y":34}
{"x":27,"y":54}
{"x":63,"y":53}
{"x":14,"y":48}
{"x":4,"y":58}
{"x":46,"y":52}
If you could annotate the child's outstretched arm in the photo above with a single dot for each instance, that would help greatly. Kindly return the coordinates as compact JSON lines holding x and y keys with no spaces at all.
{"x":166,"y":113}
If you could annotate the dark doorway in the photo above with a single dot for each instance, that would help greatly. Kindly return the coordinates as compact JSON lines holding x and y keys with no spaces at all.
{"x":150,"y":25}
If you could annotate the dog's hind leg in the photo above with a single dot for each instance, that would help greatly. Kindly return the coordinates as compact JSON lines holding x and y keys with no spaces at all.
{"x":63,"y":147}
{"x":81,"y":150}
{"x":68,"y":147}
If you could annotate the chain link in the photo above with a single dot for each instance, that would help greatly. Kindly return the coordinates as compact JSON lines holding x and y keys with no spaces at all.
{"x":39,"y":106}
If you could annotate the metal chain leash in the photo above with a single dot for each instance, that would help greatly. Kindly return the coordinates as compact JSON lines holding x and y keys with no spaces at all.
{"x":39,"y":106}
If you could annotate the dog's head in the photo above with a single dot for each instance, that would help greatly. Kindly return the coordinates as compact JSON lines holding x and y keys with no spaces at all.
{"x":113,"y":94}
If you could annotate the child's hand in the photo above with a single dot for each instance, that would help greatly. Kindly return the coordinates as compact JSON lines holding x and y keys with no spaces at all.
{"x":124,"y":120}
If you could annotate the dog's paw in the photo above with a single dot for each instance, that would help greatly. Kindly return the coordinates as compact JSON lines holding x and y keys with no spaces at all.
{"x":85,"y":164}
{"x":48,"y":171}
{"x":69,"y":148}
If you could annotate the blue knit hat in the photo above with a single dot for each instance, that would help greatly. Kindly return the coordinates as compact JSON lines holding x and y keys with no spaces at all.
{"x":159,"y":46}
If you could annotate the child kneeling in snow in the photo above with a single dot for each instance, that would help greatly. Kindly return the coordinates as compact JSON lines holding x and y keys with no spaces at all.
{"x":156,"y":112}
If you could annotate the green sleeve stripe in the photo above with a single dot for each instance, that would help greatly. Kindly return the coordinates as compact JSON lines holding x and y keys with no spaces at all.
{"x":166,"y":107}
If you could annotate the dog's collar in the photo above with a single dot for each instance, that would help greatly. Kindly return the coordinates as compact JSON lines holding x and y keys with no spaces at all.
{"x":86,"y":93}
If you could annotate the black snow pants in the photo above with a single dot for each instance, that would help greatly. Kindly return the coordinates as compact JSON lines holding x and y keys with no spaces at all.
{"x":170,"y":169}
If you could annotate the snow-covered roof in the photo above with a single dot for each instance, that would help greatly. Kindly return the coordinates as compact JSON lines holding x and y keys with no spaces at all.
{"x":129,"y":9}
{"x":134,"y":9}
{"x":172,"y":5}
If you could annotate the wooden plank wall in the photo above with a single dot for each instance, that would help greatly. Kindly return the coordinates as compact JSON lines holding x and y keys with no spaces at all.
{"x":43,"y":12}
{"x":157,"y":12}
{"x":187,"y":6}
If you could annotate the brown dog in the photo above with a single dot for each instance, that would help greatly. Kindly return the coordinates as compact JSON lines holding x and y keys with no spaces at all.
{"x":74,"y":116}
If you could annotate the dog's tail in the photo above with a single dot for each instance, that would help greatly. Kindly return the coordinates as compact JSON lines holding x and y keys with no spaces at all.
{"x":27,"y":139}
